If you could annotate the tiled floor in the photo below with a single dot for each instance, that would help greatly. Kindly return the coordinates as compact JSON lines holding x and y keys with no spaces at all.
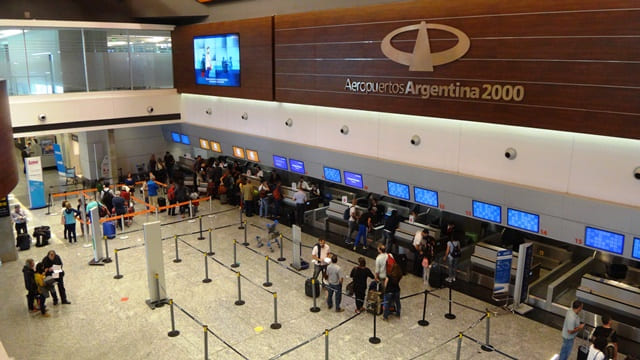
{"x":109,"y":319}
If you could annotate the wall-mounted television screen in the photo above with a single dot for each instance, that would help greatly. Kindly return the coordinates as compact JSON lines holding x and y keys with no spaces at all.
{"x":296,"y":166}
{"x":398,"y":190}
{"x":175,"y":137}
{"x":253,"y":155}
{"x":204,"y":143}
{"x":523,"y":220}
{"x":332,"y":174}
{"x":280,"y":162}
{"x":215,"y":146}
{"x":425,"y":196}
{"x":238,"y":152}
{"x":635,"y":252}
{"x":487,"y":211}
{"x":185,"y":139}
{"x":353,"y":179}
{"x":217,"y":59}
{"x":604,"y":240}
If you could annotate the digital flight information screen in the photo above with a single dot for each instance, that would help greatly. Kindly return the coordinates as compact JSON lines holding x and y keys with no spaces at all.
{"x":487,"y":211}
{"x":523,"y":220}
{"x":604,"y":240}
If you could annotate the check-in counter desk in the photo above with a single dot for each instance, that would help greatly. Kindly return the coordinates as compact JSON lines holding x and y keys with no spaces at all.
{"x":337,"y":194}
{"x":335,"y":217}
{"x":287,"y":198}
{"x":186,"y":164}
{"x":407,"y":231}
{"x":483,"y":265}
{"x":403,"y":211}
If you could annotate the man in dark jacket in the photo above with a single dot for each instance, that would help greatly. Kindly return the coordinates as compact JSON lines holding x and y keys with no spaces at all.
{"x":28,"y":271}
{"x":49,"y":261}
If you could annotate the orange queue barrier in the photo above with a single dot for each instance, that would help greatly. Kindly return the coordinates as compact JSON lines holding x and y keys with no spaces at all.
{"x":128,"y":215}
{"x":73,"y":193}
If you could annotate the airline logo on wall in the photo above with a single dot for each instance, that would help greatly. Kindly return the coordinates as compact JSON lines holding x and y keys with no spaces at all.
{"x":423,"y":60}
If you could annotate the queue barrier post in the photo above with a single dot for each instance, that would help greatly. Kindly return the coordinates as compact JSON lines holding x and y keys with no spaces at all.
{"x":326,"y":344}
{"x":177,"y":259}
{"x":276,"y":325}
{"x":206,"y":342}
{"x":210,"y":253}
{"x":450,"y":315}
{"x":239,"y":302}
{"x":241,"y":221}
{"x":267,"y":283}
{"x":49,"y":205}
{"x":314,"y":308}
{"x":118,"y":276}
{"x":206,"y":279}
{"x":159,"y":303}
{"x":200,"y":237}
{"x":487,"y":344}
{"x":424,"y":322}
{"x":235,"y":261}
{"x":459,"y":346}
{"x":374,"y":339}
{"x":106,"y":251}
{"x":281,"y":258}
{"x":245,"y":243}
{"x":173,"y":332}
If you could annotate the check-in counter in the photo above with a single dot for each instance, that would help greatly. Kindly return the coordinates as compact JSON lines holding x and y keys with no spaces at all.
{"x":406,"y":232}
{"x":287,"y":198}
{"x":613,"y":295}
{"x":335,"y":217}
{"x":483,"y":264}
{"x":403,"y":211}
{"x":186,"y":164}
{"x":337,"y":194}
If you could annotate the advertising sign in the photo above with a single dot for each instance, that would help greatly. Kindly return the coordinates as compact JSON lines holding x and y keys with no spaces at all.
{"x":57,"y":154}
{"x":503,"y":272}
{"x":35,"y":184}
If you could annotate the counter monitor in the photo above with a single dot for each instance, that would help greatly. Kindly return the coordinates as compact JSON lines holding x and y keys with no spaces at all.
{"x":175,"y":137}
{"x":217,"y":60}
{"x":398,"y":190}
{"x":523,"y":220}
{"x":238,"y":152}
{"x":253,"y":155}
{"x":487,"y":211}
{"x":280,"y":162}
{"x":635,"y":253}
{"x":332,"y":174}
{"x":204,"y":144}
{"x":297,"y":166}
{"x":215,"y":146}
{"x":425,"y":196}
{"x":604,"y":240}
{"x":353,"y":179}
{"x":185,"y":139}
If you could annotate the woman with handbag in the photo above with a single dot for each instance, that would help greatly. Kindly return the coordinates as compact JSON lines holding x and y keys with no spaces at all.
{"x":359,"y":274}
{"x":43,"y":289}
{"x":427,"y":252}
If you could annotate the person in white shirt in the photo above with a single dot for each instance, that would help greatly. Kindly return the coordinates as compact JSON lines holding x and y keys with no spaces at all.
{"x":319,"y":253}
{"x":416,"y":249}
{"x":597,"y":349}
{"x":19,"y":218}
{"x":303,"y":184}
{"x":353,"y":222}
{"x":381,"y":264}
{"x":300,"y":198}
{"x":263,"y":191}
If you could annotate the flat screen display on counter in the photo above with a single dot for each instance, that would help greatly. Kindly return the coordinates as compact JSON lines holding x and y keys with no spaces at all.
{"x":523,"y":220}
{"x":332,"y":174}
{"x":604,"y":240}
{"x":215,"y":146}
{"x":185,"y":139}
{"x":487,"y":211}
{"x":353,"y":179}
{"x":425,"y":196}
{"x":204,"y":144}
{"x":253,"y":155}
{"x":280,"y":162}
{"x":635,"y":252}
{"x":175,"y":137}
{"x":238,"y":152}
{"x":296,"y":166}
{"x":217,"y":60}
{"x":399,"y":190}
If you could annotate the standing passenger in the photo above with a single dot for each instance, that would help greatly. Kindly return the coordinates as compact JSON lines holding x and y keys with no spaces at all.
{"x":335,"y":279}
{"x":359,"y":274}
{"x":300,"y":198}
{"x":572,"y":325}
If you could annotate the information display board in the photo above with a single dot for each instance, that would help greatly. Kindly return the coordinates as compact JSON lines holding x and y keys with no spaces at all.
{"x":604,"y":240}
{"x":523,"y":220}
{"x":253,"y":155}
{"x":175,"y":137}
{"x":238,"y":152}
{"x":185,"y":139}
{"x":398,"y":190}
{"x":635,"y":253}
{"x":297,"y":166}
{"x":215,"y":146}
{"x":353,"y":179}
{"x":487,"y":211}
{"x":280,"y":162}
{"x":204,"y":144}
{"x":332,"y":174}
{"x":425,"y":196}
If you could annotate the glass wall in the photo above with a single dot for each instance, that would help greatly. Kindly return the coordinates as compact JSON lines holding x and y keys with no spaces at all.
{"x":54,"y":61}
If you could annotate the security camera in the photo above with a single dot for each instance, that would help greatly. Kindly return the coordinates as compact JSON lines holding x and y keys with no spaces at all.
{"x":149,"y":109}
{"x":289,"y":122}
{"x":415,"y":140}
{"x":208,"y":111}
{"x":636,"y":173}
{"x":344,"y":130}
{"x":510,"y":153}
{"x":244,"y":116}
{"x":42,"y":117}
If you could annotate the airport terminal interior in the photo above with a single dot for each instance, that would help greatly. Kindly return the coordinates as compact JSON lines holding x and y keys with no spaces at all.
{"x":263,"y":128}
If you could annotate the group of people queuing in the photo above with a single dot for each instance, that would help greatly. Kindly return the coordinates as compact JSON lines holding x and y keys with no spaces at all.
{"x":40,"y":280}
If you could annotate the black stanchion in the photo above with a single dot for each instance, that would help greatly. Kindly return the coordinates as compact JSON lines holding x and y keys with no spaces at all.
{"x":281,"y":258}
{"x":424,"y":322}
{"x":326,"y":344}
{"x":49,"y":205}
{"x":245,"y":243}
{"x":276,"y":325}
{"x":159,"y":302}
{"x":459,"y":346}
{"x":173,"y":332}
{"x":314,"y":308}
{"x":267,"y":283}
{"x":241,"y":222}
{"x":206,"y":342}
{"x":177,"y":259}
{"x":374,"y":339}
{"x":210,"y":253}
{"x":487,"y":344}
{"x":239,"y":302}
{"x":117,"y":276}
{"x":200,"y":237}
{"x":450,"y":315}
{"x":235,"y":261}
{"x":106,"y":250}
{"x":206,"y":279}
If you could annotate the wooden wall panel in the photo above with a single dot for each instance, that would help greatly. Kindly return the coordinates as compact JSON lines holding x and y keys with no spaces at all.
{"x":578,"y":61}
{"x":256,"y":58}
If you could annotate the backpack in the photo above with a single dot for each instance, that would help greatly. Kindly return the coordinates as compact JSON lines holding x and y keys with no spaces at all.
{"x":276,"y":193}
{"x":455,"y":252}
{"x":390,"y":262}
{"x":396,"y":272}
{"x":102,"y":211}
{"x":347,"y":213}
{"x":171,"y":193}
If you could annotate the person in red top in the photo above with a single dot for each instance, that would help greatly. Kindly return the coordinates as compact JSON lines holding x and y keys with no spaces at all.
{"x":171,"y":196}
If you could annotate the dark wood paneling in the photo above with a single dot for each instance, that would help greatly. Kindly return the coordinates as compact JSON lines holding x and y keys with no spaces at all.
{"x":579,"y":61}
{"x":9,"y":178}
{"x":256,"y":58}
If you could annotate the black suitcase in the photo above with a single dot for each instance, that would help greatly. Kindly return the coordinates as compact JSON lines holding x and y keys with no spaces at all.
{"x":42,"y":235}
{"x":24,"y":241}
{"x":436,"y":276}
{"x":307,"y":288}
{"x":162,"y":202}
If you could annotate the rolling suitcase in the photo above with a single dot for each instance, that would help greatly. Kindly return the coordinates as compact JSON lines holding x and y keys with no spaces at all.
{"x":24,"y":241}
{"x":307,"y":288}
{"x":162,"y":202}
{"x":109,"y":229}
{"x":583,"y":350}
{"x":374,"y":299}
{"x":436,"y":276}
